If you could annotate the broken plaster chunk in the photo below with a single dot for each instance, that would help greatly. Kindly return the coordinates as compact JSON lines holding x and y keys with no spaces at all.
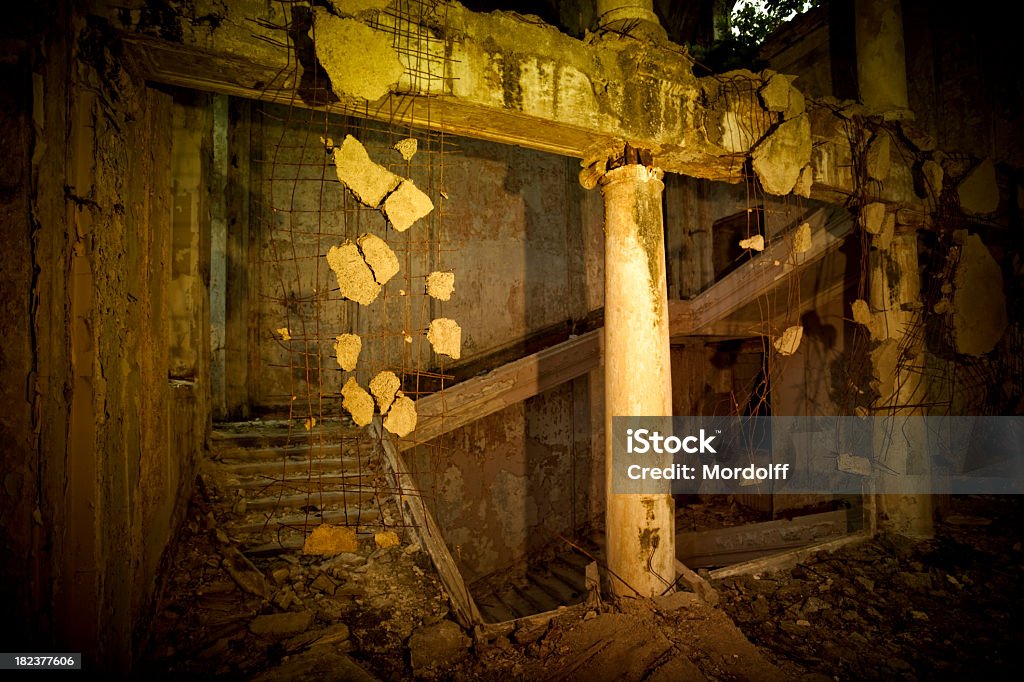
{"x":775,"y":93}
{"x":445,"y":337}
{"x":401,"y":418}
{"x":379,"y":256}
{"x":284,"y":333}
{"x":779,"y":158}
{"x":386,"y":539}
{"x":360,"y":61}
{"x":357,"y":402}
{"x":802,"y":238}
{"x":802,"y":188}
{"x":978,"y":191}
{"x":979,"y":304}
{"x":877,"y":159}
{"x":406,"y":205}
{"x":369,"y":181}
{"x":755,"y":243}
{"x":440,"y":285}
{"x":862,"y":315}
{"x":328,"y":541}
{"x":355,"y":279}
{"x":346,"y":349}
{"x":872,"y":217}
{"x":788,"y":343}
{"x":407,"y":147}
{"x":384,"y":386}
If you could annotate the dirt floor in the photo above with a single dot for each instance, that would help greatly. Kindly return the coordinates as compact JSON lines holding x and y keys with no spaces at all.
{"x":949,"y":607}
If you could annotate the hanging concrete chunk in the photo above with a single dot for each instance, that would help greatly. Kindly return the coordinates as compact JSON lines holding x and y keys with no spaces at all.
{"x":346,"y":349}
{"x":440,"y":285}
{"x":979,"y":305}
{"x":788,"y":343}
{"x":979,"y":192}
{"x":779,"y":157}
{"x":368,"y":181}
{"x":445,"y":337}
{"x":357,"y":402}
{"x":802,"y":238}
{"x":359,"y":61}
{"x":407,"y":148}
{"x":355,"y":279}
{"x":872,"y":217}
{"x":379,"y":256}
{"x":862,"y":315}
{"x":755,"y":243}
{"x":802,"y":188}
{"x":406,"y":205}
{"x":775,"y":92}
{"x":877,"y":160}
{"x":384,"y":386}
{"x":401,"y":418}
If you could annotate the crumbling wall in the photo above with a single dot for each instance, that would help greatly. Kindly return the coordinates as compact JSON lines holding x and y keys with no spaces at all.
{"x":101,"y":475}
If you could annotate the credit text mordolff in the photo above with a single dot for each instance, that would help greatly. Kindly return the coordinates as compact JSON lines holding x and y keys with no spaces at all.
{"x":714,"y":472}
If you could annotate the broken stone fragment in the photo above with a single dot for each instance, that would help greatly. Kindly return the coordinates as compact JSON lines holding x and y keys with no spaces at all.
{"x":755,"y":243}
{"x":281,"y":624}
{"x":877,"y":160}
{"x":437,"y":645}
{"x":368,"y":181}
{"x":359,"y":61}
{"x":802,"y":238}
{"x":384,"y":386}
{"x":978,"y":191}
{"x":379,"y":256}
{"x":327,"y":541}
{"x":440,"y":285}
{"x":386,"y":539}
{"x":244,"y":573}
{"x":775,"y":93}
{"x":872,"y":217}
{"x":357,"y":402}
{"x":406,"y":205}
{"x":802,"y":188}
{"x":407,"y":147}
{"x":355,"y":279}
{"x":782,"y":154}
{"x":401,"y":418}
{"x":788,"y":343}
{"x":346,"y":349}
{"x":862,"y":315}
{"x":979,"y":304}
{"x":445,"y":337}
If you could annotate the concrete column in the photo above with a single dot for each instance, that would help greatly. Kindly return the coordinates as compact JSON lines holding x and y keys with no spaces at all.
{"x":629,"y":16}
{"x":881,"y":59}
{"x":898,"y":360}
{"x":640,"y":528}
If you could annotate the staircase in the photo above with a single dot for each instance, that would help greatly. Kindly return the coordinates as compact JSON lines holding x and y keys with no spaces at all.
{"x":281,"y":482}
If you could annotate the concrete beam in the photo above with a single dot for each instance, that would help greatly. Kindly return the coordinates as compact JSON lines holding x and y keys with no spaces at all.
{"x":498,"y":77}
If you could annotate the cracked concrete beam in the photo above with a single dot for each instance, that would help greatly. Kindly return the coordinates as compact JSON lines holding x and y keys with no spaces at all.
{"x":512,"y":82}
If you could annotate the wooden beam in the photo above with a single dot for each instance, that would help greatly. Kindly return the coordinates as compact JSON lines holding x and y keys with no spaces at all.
{"x":417,"y":516}
{"x":725,"y":546}
{"x":787,"y":560}
{"x":760,"y":275}
{"x":445,"y":411}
